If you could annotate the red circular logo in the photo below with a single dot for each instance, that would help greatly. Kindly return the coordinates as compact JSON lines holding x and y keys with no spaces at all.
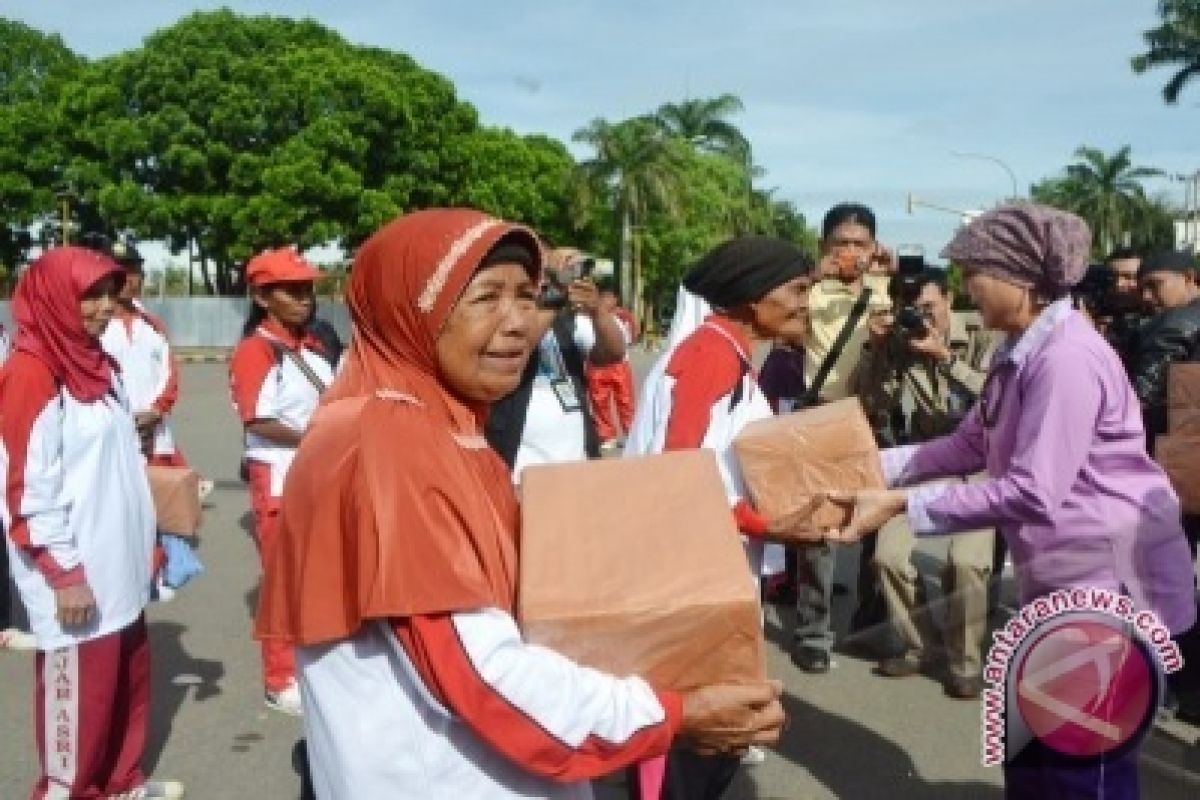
{"x":1085,"y":687}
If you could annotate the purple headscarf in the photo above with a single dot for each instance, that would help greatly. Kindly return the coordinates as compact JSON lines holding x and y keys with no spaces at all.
{"x":1026,"y":244}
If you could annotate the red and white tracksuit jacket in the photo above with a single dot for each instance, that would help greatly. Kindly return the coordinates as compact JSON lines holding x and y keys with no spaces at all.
{"x":457,"y":706}
{"x":137,"y":341}
{"x":77,"y":503}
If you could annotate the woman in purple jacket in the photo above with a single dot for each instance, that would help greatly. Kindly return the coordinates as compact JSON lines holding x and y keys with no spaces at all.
{"x":1069,"y":484}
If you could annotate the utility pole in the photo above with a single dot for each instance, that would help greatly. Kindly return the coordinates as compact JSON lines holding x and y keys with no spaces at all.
{"x":964,"y":216}
{"x":1189,"y":236}
{"x":1012,"y":176}
{"x":65,"y":195}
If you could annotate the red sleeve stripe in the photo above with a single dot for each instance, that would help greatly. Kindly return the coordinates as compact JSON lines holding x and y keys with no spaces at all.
{"x":252,"y":362}
{"x":435,"y":648}
{"x":27,"y":388}
{"x":170,"y":394}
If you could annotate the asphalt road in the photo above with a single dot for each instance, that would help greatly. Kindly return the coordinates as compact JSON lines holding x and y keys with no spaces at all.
{"x":851,"y":734}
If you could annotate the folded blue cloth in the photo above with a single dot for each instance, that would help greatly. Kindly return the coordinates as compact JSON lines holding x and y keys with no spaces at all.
{"x":182,"y":564}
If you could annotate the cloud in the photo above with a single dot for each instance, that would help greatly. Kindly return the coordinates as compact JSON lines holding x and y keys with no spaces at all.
{"x":864,"y":99}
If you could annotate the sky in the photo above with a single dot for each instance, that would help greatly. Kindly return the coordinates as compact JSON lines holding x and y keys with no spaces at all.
{"x":863,"y":100}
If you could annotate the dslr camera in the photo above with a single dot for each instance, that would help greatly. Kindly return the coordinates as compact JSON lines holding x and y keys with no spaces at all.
{"x":905,"y":289}
{"x":553,"y":295}
{"x":1096,"y":292}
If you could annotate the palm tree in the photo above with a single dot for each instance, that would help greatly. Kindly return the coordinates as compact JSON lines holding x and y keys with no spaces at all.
{"x":635,"y":169}
{"x":705,"y":125}
{"x":1174,"y":43}
{"x":1104,"y":190}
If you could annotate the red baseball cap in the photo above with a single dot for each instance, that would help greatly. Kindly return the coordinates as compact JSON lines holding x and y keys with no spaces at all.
{"x":279,"y":266}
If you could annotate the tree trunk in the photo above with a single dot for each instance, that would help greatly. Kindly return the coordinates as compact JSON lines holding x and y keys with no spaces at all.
{"x":627,"y":289}
{"x":224,"y":276}
{"x":205,"y":275}
{"x":639,"y":290}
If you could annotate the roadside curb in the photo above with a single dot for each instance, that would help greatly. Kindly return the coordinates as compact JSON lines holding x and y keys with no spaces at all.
{"x":202,"y":358}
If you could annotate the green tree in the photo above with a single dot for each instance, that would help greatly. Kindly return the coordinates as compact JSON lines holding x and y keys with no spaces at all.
{"x":1106,"y":191}
{"x":521,"y":178}
{"x":31,"y":61}
{"x":774,"y":217}
{"x":1175,"y":43}
{"x":33,"y":67}
{"x":635,"y":169}
{"x":704,"y":124}
{"x":238,"y":133}
{"x":710,"y":207}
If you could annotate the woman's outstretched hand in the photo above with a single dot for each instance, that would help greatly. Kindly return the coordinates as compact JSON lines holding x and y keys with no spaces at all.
{"x":870,"y":511}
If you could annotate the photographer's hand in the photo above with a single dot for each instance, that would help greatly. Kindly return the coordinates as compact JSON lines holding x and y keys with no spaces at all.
{"x":884,"y":260}
{"x":879,"y":326}
{"x":610,"y":344}
{"x":584,"y":297}
{"x":932,"y":344}
{"x":828,"y":267}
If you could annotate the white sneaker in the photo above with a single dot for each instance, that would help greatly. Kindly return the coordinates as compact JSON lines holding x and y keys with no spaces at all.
{"x":162,"y":790}
{"x":162,"y":592}
{"x":206,"y":488}
{"x":153,"y":790}
{"x":753,"y":756}
{"x":16,"y":639}
{"x":286,"y":700}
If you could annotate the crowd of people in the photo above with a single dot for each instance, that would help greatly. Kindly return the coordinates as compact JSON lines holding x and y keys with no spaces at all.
{"x":1023,"y":430}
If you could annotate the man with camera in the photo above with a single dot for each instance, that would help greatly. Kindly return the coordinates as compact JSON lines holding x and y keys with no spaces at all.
{"x":1169,"y":288}
{"x":922,"y":369}
{"x":547,"y":418}
{"x":854,"y":271}
{"x":1111,"y":298}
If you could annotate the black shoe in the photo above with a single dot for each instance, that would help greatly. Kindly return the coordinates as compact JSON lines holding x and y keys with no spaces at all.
{"x":812,"y":660}
{"x":961,"y":688}
{"x":904,"y":666}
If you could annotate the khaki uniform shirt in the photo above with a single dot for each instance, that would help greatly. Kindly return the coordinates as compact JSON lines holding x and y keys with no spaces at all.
{"x":940,"y":393}
{"x":829,"y":305}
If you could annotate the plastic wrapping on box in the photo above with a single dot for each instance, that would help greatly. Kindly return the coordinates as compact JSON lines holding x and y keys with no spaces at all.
{"x":635,"y":567}
{"x":789,"y":459}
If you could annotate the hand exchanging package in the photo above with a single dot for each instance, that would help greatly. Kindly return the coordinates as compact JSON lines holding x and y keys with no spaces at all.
{"x":728,"y":718}
{"x":791,"y":461}
{"x":798,"y":527}
{"x":869,"y":510}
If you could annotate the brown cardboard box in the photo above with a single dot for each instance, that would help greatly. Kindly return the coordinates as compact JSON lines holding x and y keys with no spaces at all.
{"x":635,"y":567}
{"x":1183,"y":399}
{"x":1179,"y":456}
{"x":176,"y":493}
{"x":788,"y":459}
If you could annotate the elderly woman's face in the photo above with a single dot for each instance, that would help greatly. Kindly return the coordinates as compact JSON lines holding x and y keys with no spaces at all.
{"x":1001,"y":304}
{"x":783,"y":312}
{"x":486,"y":342}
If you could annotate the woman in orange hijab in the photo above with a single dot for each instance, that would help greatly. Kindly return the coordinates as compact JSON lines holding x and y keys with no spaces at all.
{"x":395,"y":570}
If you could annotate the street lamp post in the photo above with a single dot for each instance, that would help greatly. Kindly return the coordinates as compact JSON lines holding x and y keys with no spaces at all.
{"x":1012,"y":176}
{"x":964,"y":216}
{"x":1191,"y":210}
{"x":65,"y":195}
